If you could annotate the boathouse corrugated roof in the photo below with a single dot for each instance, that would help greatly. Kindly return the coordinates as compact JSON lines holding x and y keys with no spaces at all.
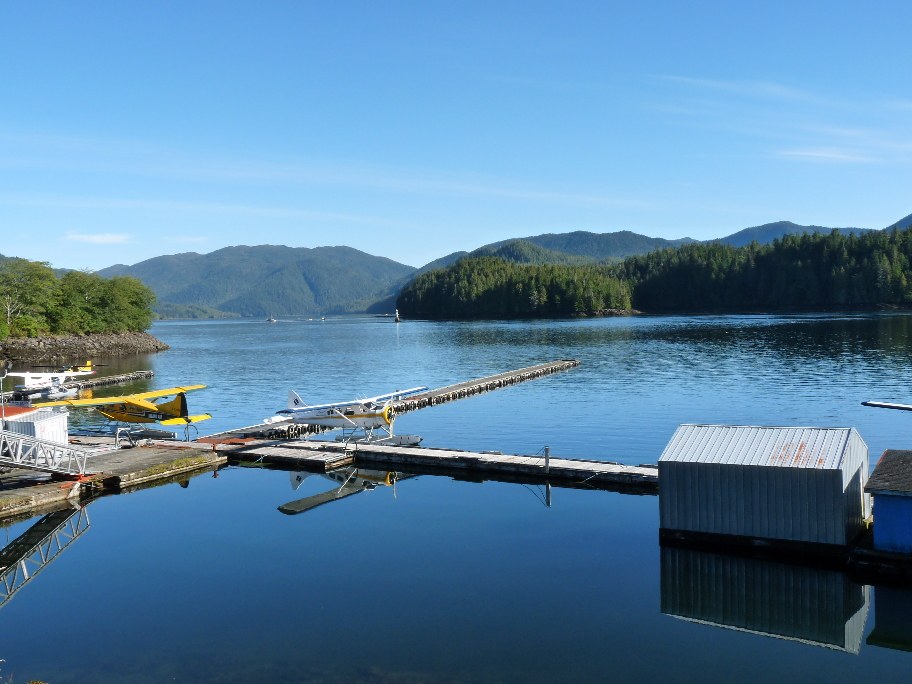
{"x":784,"y":447}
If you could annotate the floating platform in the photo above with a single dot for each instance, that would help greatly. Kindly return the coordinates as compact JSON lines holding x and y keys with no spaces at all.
{"x":442,"y":395}
{"x":26,"y":394}
{"x":321,"y":457}
{"x":281,"y":428}
{"x":108,"y":470}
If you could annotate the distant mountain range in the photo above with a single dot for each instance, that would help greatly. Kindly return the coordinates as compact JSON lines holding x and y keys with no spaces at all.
{"x":279,"y":281}
{"x":268,"y":280}
{"x":770,"y":231}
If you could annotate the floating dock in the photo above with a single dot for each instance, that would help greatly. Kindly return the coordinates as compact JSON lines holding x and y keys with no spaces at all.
{"x":442,"y":395}
{"x":26,"y":394}
{"x":108,"y":470}
{"x":282,"y":428}
{"x":321,"y":457}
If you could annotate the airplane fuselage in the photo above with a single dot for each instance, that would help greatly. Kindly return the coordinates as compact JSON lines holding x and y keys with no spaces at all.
{"x":369,"y":416}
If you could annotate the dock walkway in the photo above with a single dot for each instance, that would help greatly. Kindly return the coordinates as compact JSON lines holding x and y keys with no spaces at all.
{"x":278,"y":428}
{"x":318,"y":456}
{"x":111,"y":470}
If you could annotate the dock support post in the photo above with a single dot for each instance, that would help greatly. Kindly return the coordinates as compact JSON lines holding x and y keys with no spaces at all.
{"x":547,"y":459}
{"x":548,"y":494}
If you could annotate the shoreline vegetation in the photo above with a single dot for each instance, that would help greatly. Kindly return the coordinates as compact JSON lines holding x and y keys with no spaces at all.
{"x":76,"y":315}
{"x":812,"y":271}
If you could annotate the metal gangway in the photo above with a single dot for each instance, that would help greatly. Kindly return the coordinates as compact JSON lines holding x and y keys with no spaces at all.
{"x":31,"y":453}
{"x":32,"y":551}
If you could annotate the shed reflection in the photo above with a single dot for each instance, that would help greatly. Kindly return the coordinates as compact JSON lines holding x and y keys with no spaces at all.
{"x":810,"y":605}
{"x":892,"y":619}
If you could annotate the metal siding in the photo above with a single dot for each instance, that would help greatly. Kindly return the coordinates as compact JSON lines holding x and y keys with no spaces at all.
{"x":780,"y":483}
{"x":893,"y":523}
{"x":791,"y":602}
{"x":46,"y":424}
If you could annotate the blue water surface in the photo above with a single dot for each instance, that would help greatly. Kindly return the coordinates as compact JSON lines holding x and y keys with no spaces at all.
{"x":437,"y":580}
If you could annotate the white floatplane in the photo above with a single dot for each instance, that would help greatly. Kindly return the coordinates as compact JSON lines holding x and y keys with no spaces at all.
{"x":50,"y":382}
{"x":358,"y":418}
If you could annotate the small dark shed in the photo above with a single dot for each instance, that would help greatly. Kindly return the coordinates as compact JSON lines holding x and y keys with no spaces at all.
{"x":891,"y":485}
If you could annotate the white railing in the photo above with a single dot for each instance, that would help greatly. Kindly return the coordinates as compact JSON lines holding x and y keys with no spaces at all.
{"x":25,"y":557}
{"x":23,"y":451}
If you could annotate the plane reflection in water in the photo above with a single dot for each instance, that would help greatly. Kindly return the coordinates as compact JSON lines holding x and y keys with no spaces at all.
{"x":349,"y":480}
{"x":809,"y":605}
{"x":32,"y":551}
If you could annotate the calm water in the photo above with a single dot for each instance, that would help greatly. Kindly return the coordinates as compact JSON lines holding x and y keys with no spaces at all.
{"x":445,"y":581}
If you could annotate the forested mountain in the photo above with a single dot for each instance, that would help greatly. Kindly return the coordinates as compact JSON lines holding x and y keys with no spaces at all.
{"x":596,"y":246}
{"x":768,"y":232}
{"x":270,"y":280}
{"x":807,"y":271}
{"x":799,"y":271}
{"x":902,"y":223}
{"x":490,"y":287}
{"x":522,"y":252}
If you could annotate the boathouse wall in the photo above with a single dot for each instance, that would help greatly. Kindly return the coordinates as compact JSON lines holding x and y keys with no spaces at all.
{"x":798,"y":484}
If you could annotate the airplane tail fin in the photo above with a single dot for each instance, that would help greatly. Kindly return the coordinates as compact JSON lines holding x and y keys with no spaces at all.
{"x":294,"y":401}
{"x":297,"y":479}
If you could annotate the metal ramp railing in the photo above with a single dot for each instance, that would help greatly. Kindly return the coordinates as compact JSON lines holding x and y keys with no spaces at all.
{"x":31,"y":552}
{"x":23,"y":451}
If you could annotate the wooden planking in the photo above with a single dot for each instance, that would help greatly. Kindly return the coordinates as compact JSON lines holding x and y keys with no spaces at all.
{"x":279,"y":430}
{"x":461,"y":390}
{"x":325,"y":456}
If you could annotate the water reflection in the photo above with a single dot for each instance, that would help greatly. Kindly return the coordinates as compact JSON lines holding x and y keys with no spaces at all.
{"x":348,"y":481}
{"x":36,"y":548}
{"x":892,"y":619}
{"x":811,"y":605}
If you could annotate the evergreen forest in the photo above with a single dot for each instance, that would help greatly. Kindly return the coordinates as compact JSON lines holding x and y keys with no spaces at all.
{"x":796,"y":272}
{"x":35,"y":301}
{"x":490,"y":287}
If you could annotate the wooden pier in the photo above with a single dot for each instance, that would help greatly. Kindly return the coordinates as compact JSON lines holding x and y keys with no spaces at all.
{"x":280,"y":428}
{"x":472,"y":388}
{"x":321,"y":457}
{"x":26,"y":394}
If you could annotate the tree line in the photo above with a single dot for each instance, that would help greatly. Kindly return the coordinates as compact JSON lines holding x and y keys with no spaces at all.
{"x":805,"y":271}
{"x":35,"y":301}
{"x":493,"y":287}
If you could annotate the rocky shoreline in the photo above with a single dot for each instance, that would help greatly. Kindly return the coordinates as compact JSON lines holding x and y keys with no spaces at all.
{"x":79,"y":347}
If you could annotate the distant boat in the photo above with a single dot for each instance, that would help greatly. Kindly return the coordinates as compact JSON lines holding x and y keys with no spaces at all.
{"x":271,"y":320}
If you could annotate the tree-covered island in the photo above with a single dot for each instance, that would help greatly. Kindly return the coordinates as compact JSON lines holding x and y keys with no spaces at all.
{"x":796,"y":272}
{"x":35,"y":301}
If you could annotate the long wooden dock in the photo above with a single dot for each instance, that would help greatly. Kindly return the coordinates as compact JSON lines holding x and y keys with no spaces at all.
{"x":280,"y":428}
{"x":472,"y":388}
{"x":318,"y":456}
{"x":24,"y":395}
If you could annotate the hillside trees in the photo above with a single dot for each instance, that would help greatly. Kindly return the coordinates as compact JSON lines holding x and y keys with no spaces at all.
{"x":803,"y":272}
{"x":489,"y":286}
{"x":36,"y":302}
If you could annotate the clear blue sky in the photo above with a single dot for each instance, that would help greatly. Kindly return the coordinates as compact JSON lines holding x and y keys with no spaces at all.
{"x":411,"y":130}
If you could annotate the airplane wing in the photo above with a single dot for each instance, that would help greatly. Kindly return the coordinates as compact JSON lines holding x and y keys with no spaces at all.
{"x":883,"y":404}
{"x":400,"y":393}
{"x":136,"y":399}
{"x":166,"y":392}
